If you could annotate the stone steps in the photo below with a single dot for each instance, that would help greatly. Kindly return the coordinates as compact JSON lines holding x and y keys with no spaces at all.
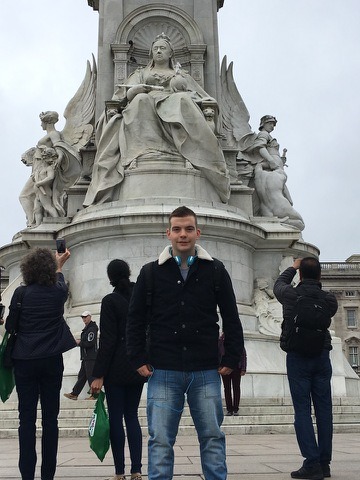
{"x":256,"y":416}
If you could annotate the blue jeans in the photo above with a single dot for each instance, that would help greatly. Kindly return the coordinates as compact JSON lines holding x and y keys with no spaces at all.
{"x":123,"y":402}
{"x":309,"y":380}
{"x":38,"y":378}
{"x":165,"y":403}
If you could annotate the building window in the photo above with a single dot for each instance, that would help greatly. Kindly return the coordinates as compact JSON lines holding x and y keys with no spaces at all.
{"x":351,"y":317}
{"x":353,"y":356}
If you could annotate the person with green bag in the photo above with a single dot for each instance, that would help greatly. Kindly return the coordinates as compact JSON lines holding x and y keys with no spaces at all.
{"x":122,"y":383}
{"x":99,"y":429}
{"x":7,"y":380}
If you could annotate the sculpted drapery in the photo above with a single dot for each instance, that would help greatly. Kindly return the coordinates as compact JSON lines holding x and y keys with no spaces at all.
{"x":162,"y":119}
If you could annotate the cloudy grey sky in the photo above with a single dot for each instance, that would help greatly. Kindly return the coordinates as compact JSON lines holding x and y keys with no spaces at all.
{"x":298,"y":60}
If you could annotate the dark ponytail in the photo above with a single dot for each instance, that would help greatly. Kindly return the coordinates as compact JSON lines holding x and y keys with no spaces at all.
{"x":119,"y":273}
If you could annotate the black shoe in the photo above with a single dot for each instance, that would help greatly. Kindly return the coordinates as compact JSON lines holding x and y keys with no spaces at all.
{"x":310,"y":473}
{"x":229,"y":414}
{"x":326,"y":470}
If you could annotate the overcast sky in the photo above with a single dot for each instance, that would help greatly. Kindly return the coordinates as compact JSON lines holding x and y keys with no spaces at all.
{"x":298,"y":60}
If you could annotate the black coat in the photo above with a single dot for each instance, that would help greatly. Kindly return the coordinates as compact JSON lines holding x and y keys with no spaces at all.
{"x":111,"y":362}
{"x":42,"y":330}
{"x":183,"y":325}
{"x":287,"y":295}
{"x":88,"y":341}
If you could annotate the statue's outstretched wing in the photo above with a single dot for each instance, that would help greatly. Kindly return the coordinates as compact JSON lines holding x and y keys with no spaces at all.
{"x":80,"y":111}
{"x":234,"y":114}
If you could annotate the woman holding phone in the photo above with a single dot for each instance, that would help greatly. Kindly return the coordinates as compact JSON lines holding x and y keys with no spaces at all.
{"x":42,"y":337}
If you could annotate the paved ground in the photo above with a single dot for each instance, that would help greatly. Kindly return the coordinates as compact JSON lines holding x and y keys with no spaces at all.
{"x":249,"y":457}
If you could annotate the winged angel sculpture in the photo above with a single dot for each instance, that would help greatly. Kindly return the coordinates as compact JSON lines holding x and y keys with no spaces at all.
{"x":56,"y":160}
{"x":259,"y":163}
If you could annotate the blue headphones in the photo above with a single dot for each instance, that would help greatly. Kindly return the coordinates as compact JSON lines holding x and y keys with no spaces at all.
{"x":190,"y":260}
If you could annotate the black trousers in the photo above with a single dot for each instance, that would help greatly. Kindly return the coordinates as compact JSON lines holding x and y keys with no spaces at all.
{"x":85,"y":373}
{"x":232,"y":390}
{"x":123,"y":402}
{"x":38,"y":379}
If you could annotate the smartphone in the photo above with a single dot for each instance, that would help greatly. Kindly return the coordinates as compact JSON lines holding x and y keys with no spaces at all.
{"x":61,"y":245}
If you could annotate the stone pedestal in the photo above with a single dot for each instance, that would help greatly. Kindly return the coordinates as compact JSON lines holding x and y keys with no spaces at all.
{"x":241,"y":197}
{"x":136,"y":233}
{"x":168,"y":178}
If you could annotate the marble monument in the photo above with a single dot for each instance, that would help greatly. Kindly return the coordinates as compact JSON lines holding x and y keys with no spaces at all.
{"x":159,"y":123}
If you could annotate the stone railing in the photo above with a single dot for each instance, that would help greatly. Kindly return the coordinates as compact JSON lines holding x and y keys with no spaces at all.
{"x":344,"y":266}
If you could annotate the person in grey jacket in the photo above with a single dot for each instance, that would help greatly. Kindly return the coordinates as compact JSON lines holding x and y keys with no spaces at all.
{"x":174,"y":343}
{"x":309,"y":377}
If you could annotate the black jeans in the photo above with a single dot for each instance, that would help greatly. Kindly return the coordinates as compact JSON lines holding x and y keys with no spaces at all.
{"x":123,"y":402}
{"x":38,"y":378}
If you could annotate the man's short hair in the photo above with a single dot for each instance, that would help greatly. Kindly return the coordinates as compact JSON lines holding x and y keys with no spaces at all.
{"x":310,"y":268}
{"x":182,"y":212}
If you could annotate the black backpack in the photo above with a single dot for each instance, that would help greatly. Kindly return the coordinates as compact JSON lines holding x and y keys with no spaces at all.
{"x":308,"y":328}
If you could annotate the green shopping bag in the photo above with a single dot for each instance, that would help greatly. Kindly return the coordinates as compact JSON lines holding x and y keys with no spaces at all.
{"x":7,"y":380}
{"x":99,"y":428}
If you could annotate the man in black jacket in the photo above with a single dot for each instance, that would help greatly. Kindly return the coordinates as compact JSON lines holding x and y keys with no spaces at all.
{"x":180,"y":321}
{"x":309,"y":377}
{"x":88,"y":350}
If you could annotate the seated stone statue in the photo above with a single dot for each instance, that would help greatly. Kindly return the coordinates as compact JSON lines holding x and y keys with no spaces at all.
{"x":160,"y":116}
{"x":262,"y":152}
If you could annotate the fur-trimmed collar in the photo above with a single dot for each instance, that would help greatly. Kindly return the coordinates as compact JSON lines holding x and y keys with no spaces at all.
{"x":200,"y":253}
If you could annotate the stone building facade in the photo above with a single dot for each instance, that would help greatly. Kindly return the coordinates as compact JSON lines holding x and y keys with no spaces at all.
{"x":343,"y":279}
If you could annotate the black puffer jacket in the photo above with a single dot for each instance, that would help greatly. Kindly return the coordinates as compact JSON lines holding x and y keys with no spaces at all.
{"x":287,"y":295}
{"x":183,"y":327}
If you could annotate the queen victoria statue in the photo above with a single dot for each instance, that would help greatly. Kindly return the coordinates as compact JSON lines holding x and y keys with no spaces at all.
{"x":158,"y":114}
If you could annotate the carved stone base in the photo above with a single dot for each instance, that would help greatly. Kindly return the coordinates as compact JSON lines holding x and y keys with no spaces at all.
{"x":76,"y":195}
{"x":168,"y":177}
{"x":241,"y":197}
